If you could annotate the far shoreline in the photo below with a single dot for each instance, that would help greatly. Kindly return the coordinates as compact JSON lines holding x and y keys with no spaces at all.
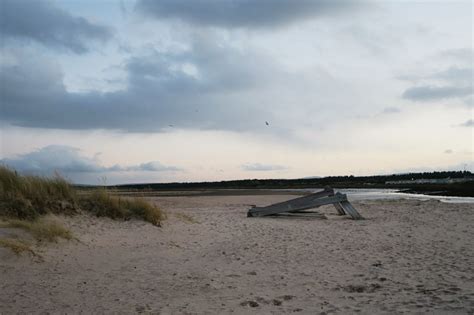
{"x":446,"y":183}
{"x":279,"y":191}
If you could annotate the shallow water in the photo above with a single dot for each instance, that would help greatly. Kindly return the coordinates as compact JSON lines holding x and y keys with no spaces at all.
{"x":377,"y":194}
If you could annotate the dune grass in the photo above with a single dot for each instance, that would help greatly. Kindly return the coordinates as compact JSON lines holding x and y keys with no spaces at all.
{"x":103,"y":204}
{"x":17,"y":246}
{"x":145,"y":210}
{"x":30,"y":197}
{"x":46,"y":228}
{"x":30,"y":202}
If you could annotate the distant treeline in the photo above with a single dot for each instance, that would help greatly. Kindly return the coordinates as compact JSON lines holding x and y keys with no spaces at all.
{"x":351,"y":181}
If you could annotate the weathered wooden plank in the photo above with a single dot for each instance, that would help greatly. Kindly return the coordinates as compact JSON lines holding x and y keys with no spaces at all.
{"x":292,"y":206}
{"x":339,"y":208}
{"x":302,"y":201}
{"x":289,"y":206}
{"x":312,"y":215}
{"x":350,"y":210}
{"x":297,"y":203}
{"x":302,"y":211}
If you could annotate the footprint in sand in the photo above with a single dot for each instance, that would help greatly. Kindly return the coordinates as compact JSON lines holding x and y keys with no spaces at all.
{"x":249,"y":303}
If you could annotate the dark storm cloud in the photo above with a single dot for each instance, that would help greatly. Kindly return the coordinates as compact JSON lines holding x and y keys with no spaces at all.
{"x":43,"y":22}
{"x":243,"y":13}
{"x":66,"y":159}
{"x":262,"y":167}
{"x":207,"y":87}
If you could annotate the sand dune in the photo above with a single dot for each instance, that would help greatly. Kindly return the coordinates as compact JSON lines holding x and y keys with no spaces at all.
{"x":408,"y":256}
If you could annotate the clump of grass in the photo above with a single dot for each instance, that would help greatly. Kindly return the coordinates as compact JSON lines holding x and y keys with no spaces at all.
{"x":31,"y":197}
{"x":16,"y":246}
{"x":102,"y":203}
{"x":46,"y":228}
{"x":28,"y":197}
{"x":143,"y":209}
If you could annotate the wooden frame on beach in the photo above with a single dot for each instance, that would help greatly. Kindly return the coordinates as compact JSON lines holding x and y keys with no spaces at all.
{"x":315,"y":200}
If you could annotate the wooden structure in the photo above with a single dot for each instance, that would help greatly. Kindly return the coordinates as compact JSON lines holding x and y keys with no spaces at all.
{"x":320,"y":198}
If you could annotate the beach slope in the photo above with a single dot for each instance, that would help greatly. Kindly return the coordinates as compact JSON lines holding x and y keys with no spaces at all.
{"x":407,"y":256}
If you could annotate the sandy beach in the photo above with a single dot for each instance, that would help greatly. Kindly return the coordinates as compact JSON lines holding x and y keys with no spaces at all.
{"x":408,"y":256}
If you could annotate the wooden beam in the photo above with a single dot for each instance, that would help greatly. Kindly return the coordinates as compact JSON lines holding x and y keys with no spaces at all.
{"x":339,"y":208}
{"x":350,"y":210}
{"x":297,"y":203}
{"x":310,"y":201}
{"x":303,"y":214}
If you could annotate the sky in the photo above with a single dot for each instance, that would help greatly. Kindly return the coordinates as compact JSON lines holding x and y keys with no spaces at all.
{"x":123,"y":91}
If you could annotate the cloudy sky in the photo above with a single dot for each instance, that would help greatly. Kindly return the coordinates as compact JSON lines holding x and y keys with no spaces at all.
{"x":166,"y":90}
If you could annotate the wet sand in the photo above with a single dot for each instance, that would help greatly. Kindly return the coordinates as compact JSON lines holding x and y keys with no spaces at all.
{"x":408,"y":256}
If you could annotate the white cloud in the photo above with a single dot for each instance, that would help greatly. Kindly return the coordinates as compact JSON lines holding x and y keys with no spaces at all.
{"x":69,"y":161}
